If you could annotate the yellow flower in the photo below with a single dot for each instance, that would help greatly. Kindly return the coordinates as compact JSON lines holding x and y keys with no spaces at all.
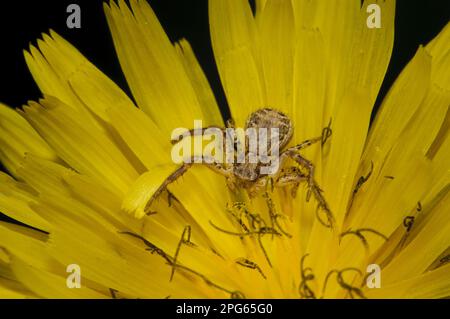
{"x":84,"y":162}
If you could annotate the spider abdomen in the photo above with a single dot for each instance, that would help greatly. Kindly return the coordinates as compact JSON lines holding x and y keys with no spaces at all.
{"x":269,"y":118}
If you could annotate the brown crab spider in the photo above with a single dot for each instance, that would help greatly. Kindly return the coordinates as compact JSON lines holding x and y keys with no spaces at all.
{"x":247,"y":175}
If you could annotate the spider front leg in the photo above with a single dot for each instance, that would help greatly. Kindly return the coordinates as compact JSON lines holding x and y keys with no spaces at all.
{"x":198,"y":132}
{"x":304,"y":144}
{"x":203,"y":131}
{"x":291,"y":176}
{"x":326,"y":133}
{"x":218,"y":167}
{"x":312,"y":184}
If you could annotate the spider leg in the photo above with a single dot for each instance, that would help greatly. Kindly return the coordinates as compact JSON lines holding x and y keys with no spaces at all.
{"x":313,"y":185}
{"x":304,"y":144}
{"x":224,"y":130}
{"x":255,"y":188}
{"x":231,"y":183}
{"x":326,"y":133}
{"x":217,"y":167}
{"x":230,"y":123}
{"x":197,"y":132}
{"x":291,"y":176}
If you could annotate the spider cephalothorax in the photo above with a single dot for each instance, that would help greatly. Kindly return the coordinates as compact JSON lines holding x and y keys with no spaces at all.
{"x":248,"y":174}
{"x":269,"y":119}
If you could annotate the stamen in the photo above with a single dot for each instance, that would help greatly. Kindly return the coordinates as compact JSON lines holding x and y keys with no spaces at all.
{"x":363,"y":179}
{"x":333,"y":271}
{"x":250,"y":264}
{"x":185,"y":239}
{"x":444,"y":260}
{"x":151,"y":247}
{"x":350,"y":288}
{"x":277,"y":224}
{"x":266,"y":255}
{"x":210,"y":283}
{"x":304,"y":290}
{"x":274,"y":215}
{"x":408,"y":222}
{"x":256,"y":221}
{"x":326,"y":132}
{"x":321,"y":204}
{"x":358,"y":233}
{"x":340,"y":279}
{"x":113,"y":292}
{"x":255,"y":225}
{"x":170,"y":196}
{"x":261,"y":231}
{"x":171,"y":261}
{"x":240,"y":206}
{"x":237,"y":295}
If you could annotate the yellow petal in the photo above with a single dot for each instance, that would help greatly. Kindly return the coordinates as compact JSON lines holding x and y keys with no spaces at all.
{"x":439,"y":50}
{"x":355,"y":56}
{"x":15,"y":200}
{"x":307,"y":114}
{"x":372,"y":48}
{"x":199,"y":83}
{"x":394,"y":194}
{"x":144,"y":188}
{"x":441,"y":169}
{"x":431,"y":240}
{"x":277,"y":43}
{"x":48,"y":81}
{"x":398,"y":107}
{"x":428,"y":119}
{"x":141,"y":135}
{"x":28,"y":245}
{"x":430,"y":285}
{"x":233,"y":33}
{"x":93,"y":243}
{"x":208,"y":205}
{"x":13,"y":289}
{"x":342,"y":162}
{"x":309,"y":85}
{"x":17,"y":137}
{"x":259,"y":4}
{"x":48,"y":285}
{"x":153,"y":69}
{"x":84,"y":147}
